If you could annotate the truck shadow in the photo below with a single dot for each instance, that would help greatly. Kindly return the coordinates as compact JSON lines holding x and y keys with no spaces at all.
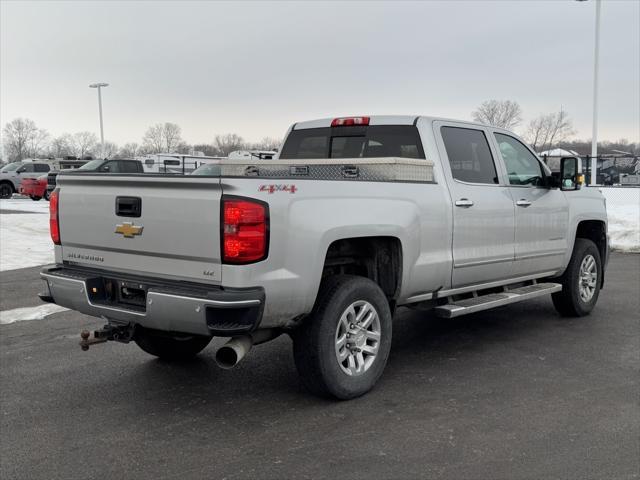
{"x":422,"y":345}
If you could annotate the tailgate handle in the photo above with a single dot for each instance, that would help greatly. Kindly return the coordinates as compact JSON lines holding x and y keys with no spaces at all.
{"x":128,"y":206}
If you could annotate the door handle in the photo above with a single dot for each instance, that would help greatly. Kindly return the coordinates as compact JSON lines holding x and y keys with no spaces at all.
{"x":464,"y":202}
{"x":523,"y":203}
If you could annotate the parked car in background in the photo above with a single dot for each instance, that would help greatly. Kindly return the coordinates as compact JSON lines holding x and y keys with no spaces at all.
{"x":207,"y":169}
{"x":12,"y":175}
{"x":100,"y":166}
{"x":35,"y":188}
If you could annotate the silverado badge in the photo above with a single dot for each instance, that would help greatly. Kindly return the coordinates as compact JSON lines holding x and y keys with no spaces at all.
{"x":128,"y":229}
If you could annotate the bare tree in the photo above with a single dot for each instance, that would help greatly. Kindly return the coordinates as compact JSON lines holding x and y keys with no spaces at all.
{"x":129,"y":150}
{"x":163,"y":137}
{"x":18,"y":138}
{"x":153,"y":139}
{"x":547,"y":130}
{"x":84,"y":143}
{"x":227,"y":143}
{"x":498,"y":113}
{"x":38,"y":143}
{"x":61,"y":146}
{"x":207,"y":149}
{"x":267,"y":143}
{"x":109,"y":150}
{"x":172,"y":139}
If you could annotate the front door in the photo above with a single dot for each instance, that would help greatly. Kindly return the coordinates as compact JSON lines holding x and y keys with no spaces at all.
{"x":542,"y":213}
{"x":483,"y":210}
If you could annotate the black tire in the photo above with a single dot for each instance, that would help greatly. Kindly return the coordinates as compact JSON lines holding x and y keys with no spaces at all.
{"x":170,"y":347}
{"x":34,"y":198}
{"x":6,"y":190}
{"x":569,"y":302}
{"x":46,"y":195}
{"x":314,"y":342}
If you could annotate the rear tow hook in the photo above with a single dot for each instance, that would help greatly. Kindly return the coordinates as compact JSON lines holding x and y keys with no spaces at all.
{"x":107,"y":333}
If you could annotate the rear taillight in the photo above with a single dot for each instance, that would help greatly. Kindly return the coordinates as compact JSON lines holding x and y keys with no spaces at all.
{"x":245,"y":230}
{"x":54,"y":224}
{"x":349,"y":121}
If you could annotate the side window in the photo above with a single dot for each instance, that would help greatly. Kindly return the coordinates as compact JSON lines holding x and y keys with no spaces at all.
{"x":469,"y":155}
{"x":27,"y":168}
{"x":42,"y":167}
{"x":111,"y":167}
{"x":129,"y":167}
{"x":522,"y":166}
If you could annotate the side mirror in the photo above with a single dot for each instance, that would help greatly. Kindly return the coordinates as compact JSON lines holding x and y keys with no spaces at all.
{"x":106,"y":168}
{"x":570,"y":177}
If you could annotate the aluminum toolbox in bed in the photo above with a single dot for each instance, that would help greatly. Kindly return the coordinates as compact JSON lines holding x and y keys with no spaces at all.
{"x":388,"y":169}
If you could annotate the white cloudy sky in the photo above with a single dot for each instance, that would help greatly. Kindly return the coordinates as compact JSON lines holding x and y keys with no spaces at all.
{"x":255,"y":67}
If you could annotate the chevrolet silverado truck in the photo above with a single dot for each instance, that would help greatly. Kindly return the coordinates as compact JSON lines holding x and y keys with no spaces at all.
{"x":356,"y":217}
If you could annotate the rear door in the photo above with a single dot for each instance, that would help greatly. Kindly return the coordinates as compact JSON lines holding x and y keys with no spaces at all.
{"x":28,"y":170}
{"x":144,"y":224}
{"x":542,"y":213}
{"x":483,"y":211}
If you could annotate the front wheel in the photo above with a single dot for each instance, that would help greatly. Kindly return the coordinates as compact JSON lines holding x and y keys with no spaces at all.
{"x":341,"y":350}
{"x":34,"y":198}
{"x":6,"y":190}
{"x":580,"y":282}
{"x":170,"y":347}
{"x":46,"y":195}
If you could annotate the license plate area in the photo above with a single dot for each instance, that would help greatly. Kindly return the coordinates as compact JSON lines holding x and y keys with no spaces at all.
{"x":118,"y":293}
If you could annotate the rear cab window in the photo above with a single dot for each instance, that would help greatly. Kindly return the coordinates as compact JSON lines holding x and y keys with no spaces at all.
{"x":354,"y":142}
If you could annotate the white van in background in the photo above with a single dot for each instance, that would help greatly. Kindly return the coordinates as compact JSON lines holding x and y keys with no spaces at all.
{"x":175,"y":162}
{"x":253,"y":154}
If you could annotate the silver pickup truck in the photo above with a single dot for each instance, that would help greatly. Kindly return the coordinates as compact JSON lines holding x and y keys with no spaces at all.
{"x":356,"y":217}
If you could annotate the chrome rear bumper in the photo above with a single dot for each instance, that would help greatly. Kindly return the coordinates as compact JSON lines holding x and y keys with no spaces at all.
{"x":169,"y":306}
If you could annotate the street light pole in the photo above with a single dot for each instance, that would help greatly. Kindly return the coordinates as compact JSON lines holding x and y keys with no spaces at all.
{"x":594,"y":133}
{"x":99,"y":86}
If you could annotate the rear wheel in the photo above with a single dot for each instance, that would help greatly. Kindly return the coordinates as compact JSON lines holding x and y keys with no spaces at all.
{"x":168,"y":346}
{"x":34,"y":198}
{"x":581,"y":281}
{"x":6,"y":190}
{"x":46,"y":195}
{"x":342,"y":348}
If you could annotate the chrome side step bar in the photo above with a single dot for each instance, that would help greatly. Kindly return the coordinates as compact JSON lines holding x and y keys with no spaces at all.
{"x":456,"y":308}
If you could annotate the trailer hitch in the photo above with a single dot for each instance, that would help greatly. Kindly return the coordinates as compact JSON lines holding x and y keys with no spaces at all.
{"x":123,"y":333}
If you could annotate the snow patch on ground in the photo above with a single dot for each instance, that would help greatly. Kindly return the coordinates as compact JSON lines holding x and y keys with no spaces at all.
{"x":623,"y":211}
{"x":24,"y":237}
{"x":29,"y":313}
{"x":24,"y":204}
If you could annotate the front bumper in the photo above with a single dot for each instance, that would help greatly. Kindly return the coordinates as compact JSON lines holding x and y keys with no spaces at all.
{"x":170,"y":306}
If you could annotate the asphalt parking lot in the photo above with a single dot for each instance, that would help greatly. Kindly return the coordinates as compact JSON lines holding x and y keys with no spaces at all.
{"x":511,"y":393}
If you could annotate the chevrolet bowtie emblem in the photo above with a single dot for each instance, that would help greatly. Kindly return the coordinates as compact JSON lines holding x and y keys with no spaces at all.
{"x":129,"y":229}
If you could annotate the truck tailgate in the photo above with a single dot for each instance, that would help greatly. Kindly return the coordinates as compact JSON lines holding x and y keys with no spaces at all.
{"x":176,"y":233}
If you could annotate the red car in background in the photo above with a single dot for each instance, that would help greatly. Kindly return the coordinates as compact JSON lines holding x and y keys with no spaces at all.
{"x":35,"y":188}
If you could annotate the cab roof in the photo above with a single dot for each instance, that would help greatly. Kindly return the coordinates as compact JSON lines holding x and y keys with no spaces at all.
{"x":381,"y":120}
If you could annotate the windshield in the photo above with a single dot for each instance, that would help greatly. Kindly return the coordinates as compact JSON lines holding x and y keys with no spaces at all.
{"x":11,"y":167}
{"x":208,"y":169}
{"x":354,"y":142}
{"x":92,"y":165}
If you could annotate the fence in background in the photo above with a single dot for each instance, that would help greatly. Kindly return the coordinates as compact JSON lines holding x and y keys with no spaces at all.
{"x":611,"y":170}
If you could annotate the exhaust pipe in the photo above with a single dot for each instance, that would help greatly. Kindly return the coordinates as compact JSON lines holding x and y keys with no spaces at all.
{"x":232,"y":352}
